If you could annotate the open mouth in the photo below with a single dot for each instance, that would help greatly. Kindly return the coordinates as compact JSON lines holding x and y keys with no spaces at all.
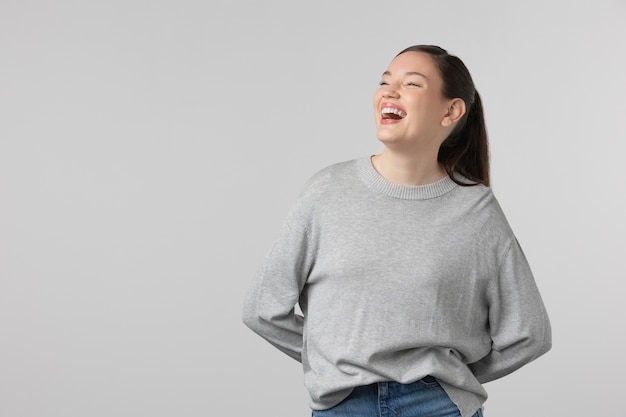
{"x":392,"y":113}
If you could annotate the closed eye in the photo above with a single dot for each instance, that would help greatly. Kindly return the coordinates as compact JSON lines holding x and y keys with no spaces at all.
{"x":383,"y":83}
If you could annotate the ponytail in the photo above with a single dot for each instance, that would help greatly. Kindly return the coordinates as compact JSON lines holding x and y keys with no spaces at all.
{"x":466,"y":150}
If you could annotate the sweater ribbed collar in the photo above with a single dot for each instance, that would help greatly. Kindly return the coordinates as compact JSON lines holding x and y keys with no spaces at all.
{"x":405,"y":192}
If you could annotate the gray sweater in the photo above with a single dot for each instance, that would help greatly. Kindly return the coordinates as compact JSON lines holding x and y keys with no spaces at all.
{"x":395,"y":283}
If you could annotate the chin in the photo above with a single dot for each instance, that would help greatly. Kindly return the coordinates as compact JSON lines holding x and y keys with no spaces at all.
{"x":387,"y":137}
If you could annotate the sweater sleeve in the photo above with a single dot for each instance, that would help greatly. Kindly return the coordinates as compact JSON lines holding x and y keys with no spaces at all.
{"x":518,"y":322}
{"x":269,"y":307}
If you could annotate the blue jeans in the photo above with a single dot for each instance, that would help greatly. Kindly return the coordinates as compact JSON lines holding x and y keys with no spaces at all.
{"x":423,"y":398}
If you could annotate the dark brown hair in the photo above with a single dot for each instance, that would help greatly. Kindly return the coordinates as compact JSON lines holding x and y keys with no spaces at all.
{"x":466,"y":149}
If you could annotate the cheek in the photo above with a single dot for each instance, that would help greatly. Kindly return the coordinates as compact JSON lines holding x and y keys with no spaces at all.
{"x":376,"y":98}
{"x":375,"y":105}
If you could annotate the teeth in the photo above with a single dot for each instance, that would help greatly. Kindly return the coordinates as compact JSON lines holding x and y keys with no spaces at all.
{"x":395,"y":111}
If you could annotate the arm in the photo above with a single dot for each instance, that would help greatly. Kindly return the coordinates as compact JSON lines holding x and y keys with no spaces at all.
{"x":518,"y":322}
{"x":269,"y":308}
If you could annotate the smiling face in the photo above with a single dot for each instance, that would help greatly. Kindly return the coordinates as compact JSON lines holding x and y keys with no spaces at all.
{"x":409,"y":107}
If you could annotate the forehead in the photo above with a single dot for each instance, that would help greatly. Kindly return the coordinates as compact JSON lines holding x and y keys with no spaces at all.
{"x":413,"y":61}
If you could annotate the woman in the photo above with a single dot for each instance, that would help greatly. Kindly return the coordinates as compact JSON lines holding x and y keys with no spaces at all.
{"x":413,"y":288}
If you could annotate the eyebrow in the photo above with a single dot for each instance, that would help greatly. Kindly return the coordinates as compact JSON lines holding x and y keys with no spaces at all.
{"x":407,"y":73}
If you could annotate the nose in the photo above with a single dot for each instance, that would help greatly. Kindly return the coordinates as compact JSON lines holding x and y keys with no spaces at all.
{"x":390,"y":92}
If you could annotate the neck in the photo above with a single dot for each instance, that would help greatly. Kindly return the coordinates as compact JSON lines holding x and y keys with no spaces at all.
{"x":408,"y":169}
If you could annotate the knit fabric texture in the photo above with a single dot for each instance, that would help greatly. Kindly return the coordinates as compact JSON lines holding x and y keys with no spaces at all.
{"x":397,"y":282}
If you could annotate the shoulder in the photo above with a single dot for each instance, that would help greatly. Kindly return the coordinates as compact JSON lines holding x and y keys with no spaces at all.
{"x":340,"y":171}
{"x":326,"y":183}
{"x":480,"y":196}
{"x":482,"y":217}
{"x":481,"y":204}
{"x":332,"y":177}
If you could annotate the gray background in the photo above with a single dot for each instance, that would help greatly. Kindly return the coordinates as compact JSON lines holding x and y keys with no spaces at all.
{"x":149,"y":151}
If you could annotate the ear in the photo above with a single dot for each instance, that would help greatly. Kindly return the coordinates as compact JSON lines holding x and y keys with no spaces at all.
{"x":454,"y":112}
